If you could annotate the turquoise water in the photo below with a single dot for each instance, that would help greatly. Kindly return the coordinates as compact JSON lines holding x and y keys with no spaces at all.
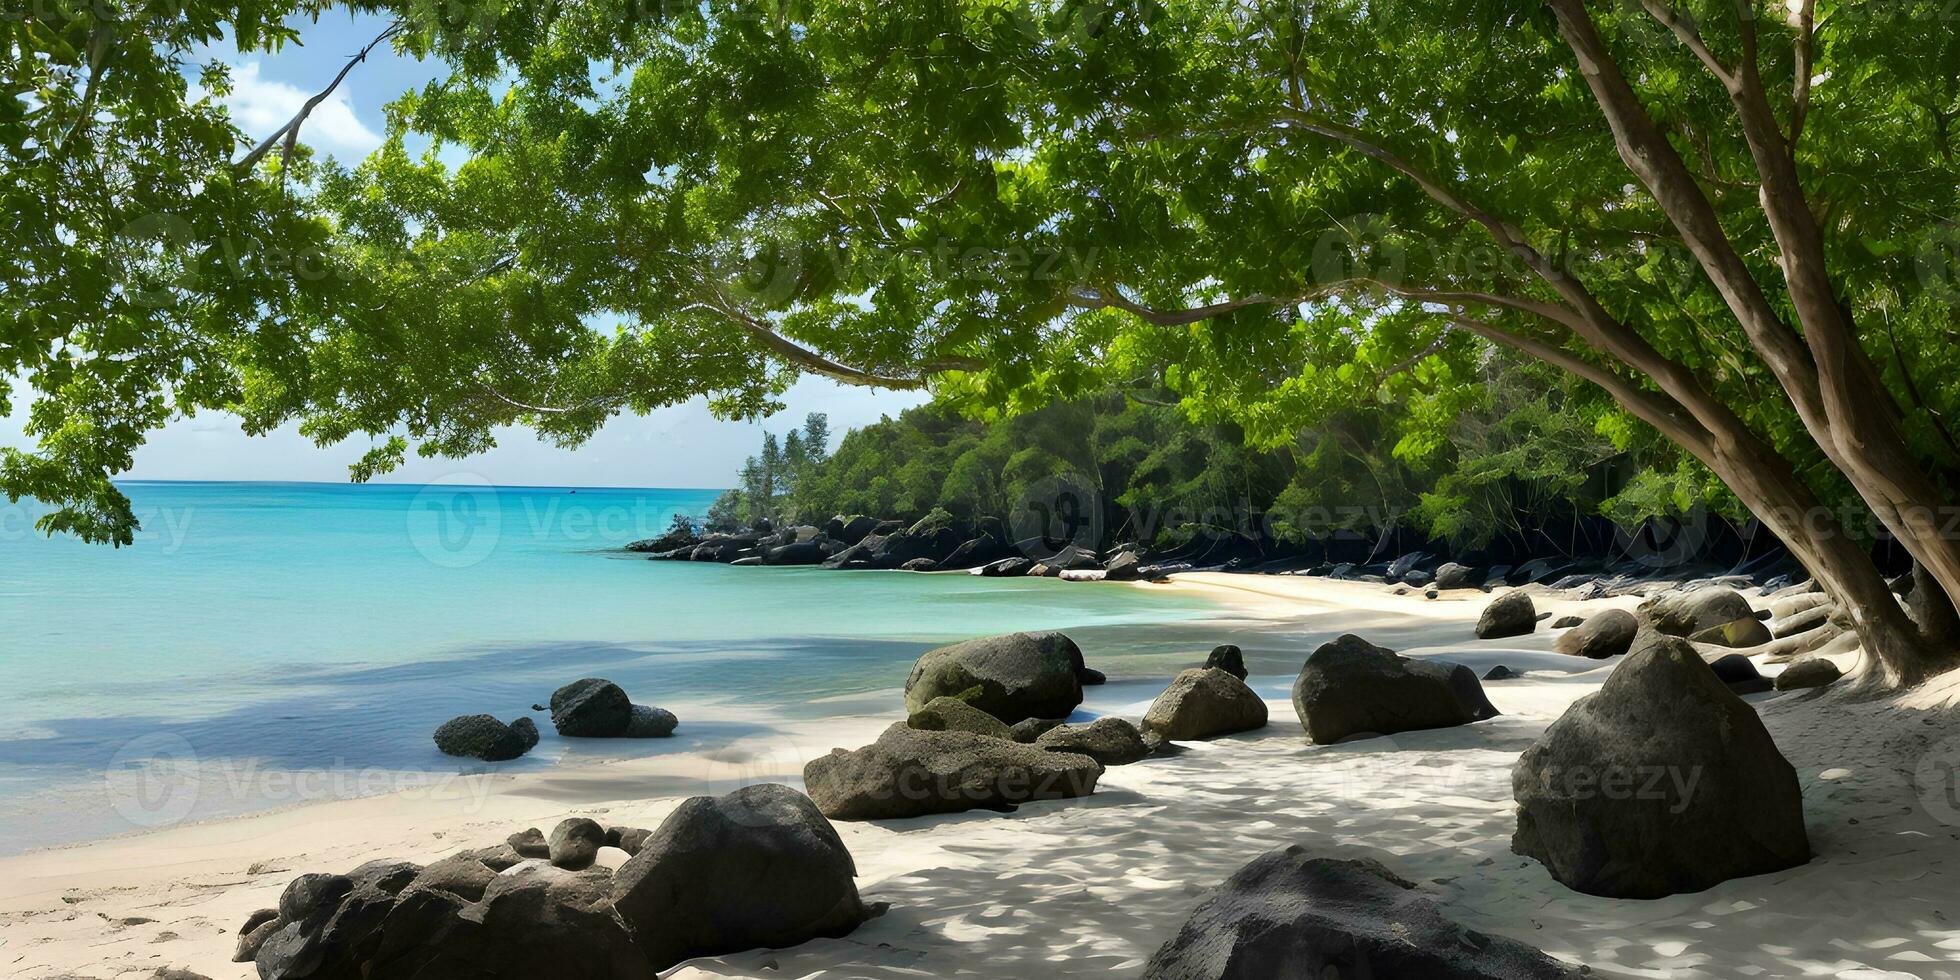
{"x":275,"y":628}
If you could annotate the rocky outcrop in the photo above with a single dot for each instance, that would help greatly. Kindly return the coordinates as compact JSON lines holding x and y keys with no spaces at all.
{"x":1451,"y":575}
{"x":1510,"y":614}
{"x":1228,"y":658}
{"x":648,"y":721}
{"x":485,"y":737}
{"x":944,"y":714}
{"x":1607,"y":633}
{"x":1019,"y":675}
{"x":759,"y":867}
{"x":910,"y":773}
{"x":1125,"y":567}
{"x":1110,"y":741}
{"x":1290,"y":914}
{"x":1661,"y":782}
{"x":1204,"y":702}
{"x":574,"y":844}
{"x":1350,"y":687}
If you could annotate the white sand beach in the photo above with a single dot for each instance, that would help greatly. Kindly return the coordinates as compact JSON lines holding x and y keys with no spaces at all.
{"x":1091,"y":887}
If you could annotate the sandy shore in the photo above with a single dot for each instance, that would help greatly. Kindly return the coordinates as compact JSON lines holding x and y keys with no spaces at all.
{"x":1092,"y":886}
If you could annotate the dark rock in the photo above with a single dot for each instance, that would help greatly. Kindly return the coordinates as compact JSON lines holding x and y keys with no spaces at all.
{"x":1352,"y":687}
{"x":1607,"y":633}
{"x":973,"y":553}
{"x":1567,"y":622}
{"x":1110,"y":741}
{"x":1288,"y":914}
{"x":919,"y":565}
{"x":1030,"y":730}
{"x":1740,"y":674}
{"x":253,"y":934}
{"x":1688,"y":613}
{"x":798,"y":553}
{"x":947,"y":714}
{"x":909,"y":773}
{"x":1816,"y":672}
{"x":1451,"y":575}
{"x":1501,"y":673}
{"x":311,"y":892}
{"x":1123,"y":568}
{"x":628,"y":839}
{"x":1498,"y":575}
{"x":1402,"y":566}
{"x":1020,"y":675}
{"x":575,"y":843}
{"x":486,"y":738}
{"x":1510,"y":614}
{"x":591,"y":708}
{"x":1092,"y":677}
{"x":327,"y":921}
{"x":1007,"y":568}
{"x":529,"y":843}
{"x":463,"y":874}
{"x":650,"y":722}
{"x":673,"y":540}
{"x":1204,"y":702}
{"x":759,"y":867}
{"x":1661,"y":782}
{"x":1416,"y":577}
{"x":1228,"y":658}
{"x":747,"y":561}
{"x":851,"y":530}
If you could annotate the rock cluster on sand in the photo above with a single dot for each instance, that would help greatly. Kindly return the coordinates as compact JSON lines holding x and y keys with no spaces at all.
{"x":1017,"y":676}
{"x":1349,"y":686}
{"x":1110,"y":741}
{"x":1204,"y":702}
{"x":597,"y":708}
{"x":911,"y":773}
{"x":1510,"y":614}
{"x":485,"y":737}
{"x":1289,"y":914}
{"x":758,"y":867}
{"x":1605,"y":634}
{"x":1661,"y":782}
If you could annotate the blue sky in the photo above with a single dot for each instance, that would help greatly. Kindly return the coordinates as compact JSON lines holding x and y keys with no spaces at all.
{"x":682,"y":446}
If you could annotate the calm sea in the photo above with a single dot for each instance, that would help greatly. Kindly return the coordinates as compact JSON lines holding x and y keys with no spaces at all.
{"x":262,"y":629}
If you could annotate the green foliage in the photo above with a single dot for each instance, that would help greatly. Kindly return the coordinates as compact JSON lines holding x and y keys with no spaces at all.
{"x":770,"y":479}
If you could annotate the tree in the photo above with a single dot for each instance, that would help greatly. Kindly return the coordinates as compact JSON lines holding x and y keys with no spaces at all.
{"x":1727,"y":218}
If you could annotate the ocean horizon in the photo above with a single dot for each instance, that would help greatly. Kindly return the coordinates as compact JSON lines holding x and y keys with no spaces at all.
{"x":266,"y":643}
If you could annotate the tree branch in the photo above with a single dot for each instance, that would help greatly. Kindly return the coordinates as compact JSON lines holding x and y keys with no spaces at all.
{"x":290,"y":131}
{"x":1690,"y":37}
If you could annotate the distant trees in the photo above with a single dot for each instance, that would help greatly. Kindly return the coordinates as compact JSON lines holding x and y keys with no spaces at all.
{"x":768,"y":480}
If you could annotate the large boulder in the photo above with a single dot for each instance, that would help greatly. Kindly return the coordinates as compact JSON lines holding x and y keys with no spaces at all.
{"x":944,"y":714}
{"x":1688,"y":613}
{"x":1125,"y":567}
{"x":1815,"y":672}
{"x":574,"y":844}
{"x":1607,"y":633}
{"x":759,"y":867}
{"x":1739,"y":674}
{"x":1349,"y":686}
{"x":591,"y":708}
{"x":1510,"y":614}
{"x":486,"y":738}
{"x":1204,"y":702}
{"x":1289,"y":914}
{"x":973,"y":553}
{"x":1660,"y":782}
{"x":910,"y":773}
{"x":1110,"y":741}
{"x":797,"y":553}
{"x":1019,"y":675}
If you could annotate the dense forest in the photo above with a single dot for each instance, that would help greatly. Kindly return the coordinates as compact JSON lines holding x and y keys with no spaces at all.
{"x":1527,"y":462}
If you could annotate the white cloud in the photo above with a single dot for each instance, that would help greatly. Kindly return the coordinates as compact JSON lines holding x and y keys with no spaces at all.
{"x":260,"y":106}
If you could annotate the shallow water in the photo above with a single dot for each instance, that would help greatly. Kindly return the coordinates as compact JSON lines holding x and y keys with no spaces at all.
{"x":266,"y":644}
